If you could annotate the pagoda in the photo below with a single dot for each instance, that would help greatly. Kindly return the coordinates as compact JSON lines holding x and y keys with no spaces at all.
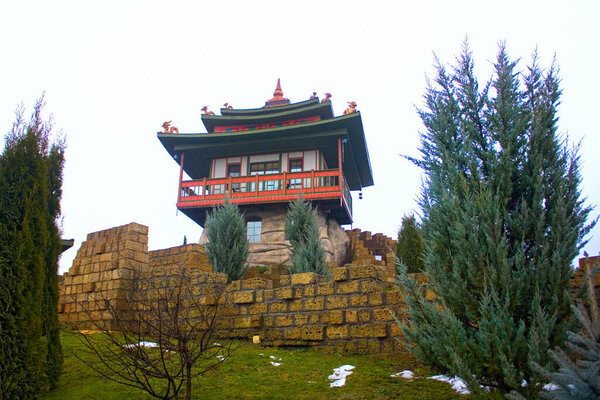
{"x":264,"y":158}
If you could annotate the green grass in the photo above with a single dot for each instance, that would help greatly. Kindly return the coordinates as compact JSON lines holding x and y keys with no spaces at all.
{"x":249,"y":375}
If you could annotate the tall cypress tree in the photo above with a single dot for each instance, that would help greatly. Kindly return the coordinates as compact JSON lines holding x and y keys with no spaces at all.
{"x":30,"y":190}
{"x":502,"y":221}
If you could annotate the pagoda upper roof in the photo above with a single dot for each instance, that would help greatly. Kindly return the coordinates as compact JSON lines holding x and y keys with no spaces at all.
{"x":272,"y":114}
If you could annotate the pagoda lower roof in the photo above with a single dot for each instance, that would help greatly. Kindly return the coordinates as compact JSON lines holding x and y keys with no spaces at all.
{"x":299,"y":110}
{"x":200,"y":148}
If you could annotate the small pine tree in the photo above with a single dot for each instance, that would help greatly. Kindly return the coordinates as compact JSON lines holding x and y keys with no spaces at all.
{"x":303,"y":233}
{"x":502,"y":222}
{"x":227,"y":246}
{"x":410,"y":248}
{"x":578,"y":377}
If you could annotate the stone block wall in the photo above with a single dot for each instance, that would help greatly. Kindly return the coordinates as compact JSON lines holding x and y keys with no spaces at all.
{"x":351,"y":312}
{"x":103,"y":271}
{"x":376,"y":249}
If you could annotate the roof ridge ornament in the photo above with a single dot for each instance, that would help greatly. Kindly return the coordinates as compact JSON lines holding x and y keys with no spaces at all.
{"x":278,"y":99}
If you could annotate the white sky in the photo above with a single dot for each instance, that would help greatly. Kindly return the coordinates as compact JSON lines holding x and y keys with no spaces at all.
{"x":114,"y":71}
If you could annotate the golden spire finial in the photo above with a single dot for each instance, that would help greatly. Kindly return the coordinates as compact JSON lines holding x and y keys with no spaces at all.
{"x":278,"y":99}
{"x":278,"y":92}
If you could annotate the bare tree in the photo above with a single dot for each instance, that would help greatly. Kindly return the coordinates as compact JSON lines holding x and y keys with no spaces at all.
{"x":162,"y":337}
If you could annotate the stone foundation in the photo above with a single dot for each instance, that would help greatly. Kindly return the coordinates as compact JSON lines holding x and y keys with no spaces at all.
{"x":275,"y":249}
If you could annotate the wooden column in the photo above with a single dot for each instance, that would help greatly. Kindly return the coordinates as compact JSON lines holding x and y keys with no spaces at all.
{"x":340,"y":185}
{"x":180,"y":178}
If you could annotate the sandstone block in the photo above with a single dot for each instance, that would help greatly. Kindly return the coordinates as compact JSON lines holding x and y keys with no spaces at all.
{"x":369,"y":286}
{"x":340,"y":274}
{"x":347,"y":287}
{"x":380,"y":330}
{"x":285,"y":280}
{"x":364,"y":315}
{"x":382,"y":314}
{"x":296,"y":305}
{"x":257,"y":283}
{"x":325,"y":288}
{"x":269,"y":294}
{"x":284,"y":293}
{"x":334,"y":302}
{"x":283,"y":320}
{"x":333,"y":317}
{"x":278,"y":307}
{"x":361,"y":331}
{"x":358,"y":300}
{"x":292,"y":333}
{"x":366,"y":271}
{"x":375,"y":299}
{"x":351,"y":316}
{"x":313,"y":332}
{"x":337,"y":332}
{"x":305,"y":278}
{"x":252,"y":321}
{"x":393,"y":297}
{"x":309,"y":290}
{"x":314,"y":304}
{"x":243,"y":297}
{"x":395,"y":329}
{"x":260,"y":308}
{"x":314,"y":318}
{"x":300,"y":319}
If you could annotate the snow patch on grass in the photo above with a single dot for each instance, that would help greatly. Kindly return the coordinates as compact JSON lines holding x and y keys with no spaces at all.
{"x":406,"y":374}
{"x":143,"y":343}
{"x":457,"y":384}
{"x":339,"y":375}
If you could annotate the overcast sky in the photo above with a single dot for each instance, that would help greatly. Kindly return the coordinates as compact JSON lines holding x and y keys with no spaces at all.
{"x":114,"y":71}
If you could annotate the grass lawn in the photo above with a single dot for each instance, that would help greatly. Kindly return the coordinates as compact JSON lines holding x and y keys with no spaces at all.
{"x":248,"y":374}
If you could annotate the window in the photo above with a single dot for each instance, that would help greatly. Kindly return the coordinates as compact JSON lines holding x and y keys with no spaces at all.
{"x":253,"y":229}
{"x":265,"y":168}
{"x":295,"y":165}
{"x":233,"y":170}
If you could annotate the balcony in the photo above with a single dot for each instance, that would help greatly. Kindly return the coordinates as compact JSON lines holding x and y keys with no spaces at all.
{"x":271,"y":188}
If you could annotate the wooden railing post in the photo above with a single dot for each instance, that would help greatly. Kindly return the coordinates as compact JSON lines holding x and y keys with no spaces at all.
{"x":312,"y":180}
{"x":284,"y":182}
{"x":204,"y":188}
{"x":256,"y":188}
{"x":229,"y":188}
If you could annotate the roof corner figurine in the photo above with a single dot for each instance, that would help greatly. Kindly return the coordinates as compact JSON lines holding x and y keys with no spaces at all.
{"x":314,"y":96}
{"x":227,"y":106}
{"x":206,"y":112}
{"x":327,"y":97}
{"x":351,"y":108}
{"x":168,"y":128}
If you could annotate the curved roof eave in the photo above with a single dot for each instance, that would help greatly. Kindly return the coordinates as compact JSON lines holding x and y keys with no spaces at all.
{"x":349,"y":124}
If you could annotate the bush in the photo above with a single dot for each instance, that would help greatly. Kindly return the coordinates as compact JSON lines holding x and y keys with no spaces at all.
{"x":227,"y":246}
{"x":303,"y":233}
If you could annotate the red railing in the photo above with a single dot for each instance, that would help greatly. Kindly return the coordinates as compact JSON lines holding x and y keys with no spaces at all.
{"x":260,"y":188}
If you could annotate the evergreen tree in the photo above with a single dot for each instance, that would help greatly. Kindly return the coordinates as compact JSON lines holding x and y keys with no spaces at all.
{"x":30,"y":191}
{"x":578,"y":377}
{"x":303,"y":233}
{"x":227,"y":246}
{"x":502,"y":221}
{"x":410,"y":247}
